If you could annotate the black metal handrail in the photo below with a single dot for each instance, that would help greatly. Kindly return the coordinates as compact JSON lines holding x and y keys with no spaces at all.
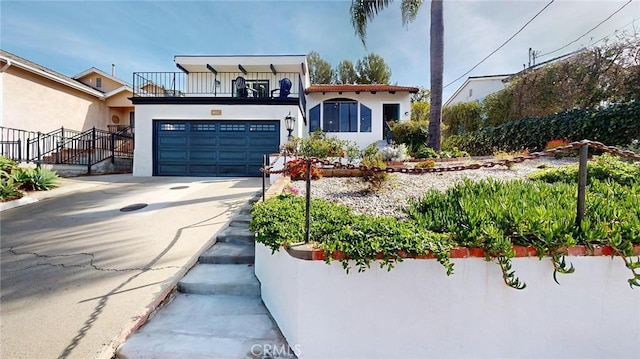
{"x":44,"y":144}
{"x":94,"y":146}
{"x":209,"y":84}
{"x":13,"y":143}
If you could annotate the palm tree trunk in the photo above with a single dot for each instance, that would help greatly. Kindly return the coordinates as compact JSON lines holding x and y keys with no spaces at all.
{"x":437,"y":69}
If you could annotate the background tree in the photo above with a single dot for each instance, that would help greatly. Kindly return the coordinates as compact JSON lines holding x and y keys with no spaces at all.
{"x":461,"y":117}
{"x":364,"y":11}
{"x":346,"y":73}
{"x":320,"y":71}
{"x":422,"y":95}
{"x":373,"y":70}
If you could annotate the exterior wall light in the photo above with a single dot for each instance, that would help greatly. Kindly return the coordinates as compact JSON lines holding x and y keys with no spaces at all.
{"x":289,"y":122}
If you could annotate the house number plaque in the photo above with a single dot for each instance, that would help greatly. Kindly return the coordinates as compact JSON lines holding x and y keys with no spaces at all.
{"x":216,"y":112}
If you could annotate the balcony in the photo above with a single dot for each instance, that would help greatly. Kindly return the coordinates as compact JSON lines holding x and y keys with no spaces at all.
{"x":259,"y":85}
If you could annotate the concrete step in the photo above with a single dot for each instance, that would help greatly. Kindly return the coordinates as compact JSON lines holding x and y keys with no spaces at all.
{"x":241,"y":220}
{"x":246,"y":209}
{"x":236,"y":235}
{"x":221,"y":279}
{"x":198,"y":326}
{"x":229,"y":253}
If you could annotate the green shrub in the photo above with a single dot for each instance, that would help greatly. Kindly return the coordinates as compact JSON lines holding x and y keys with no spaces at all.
{"x":36,"y":179}
{"x":601,"y":168}
{"x":412,"y":133}
{"x":426,"y":152}
{"x":335,"y":228}
{"x":426,"y":164}
{"x":319,"y":145}
{"x":617,"y":124}
{"x":7,"y":166}
{"x":496,"y":215}
{"x":374,"y":180}
{"x":9,"y":189}
{"x":455,"y":152}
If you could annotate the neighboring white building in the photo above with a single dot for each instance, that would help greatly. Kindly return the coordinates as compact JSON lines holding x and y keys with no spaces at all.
{"x":476,"y":88}
{"x":221,"y":114}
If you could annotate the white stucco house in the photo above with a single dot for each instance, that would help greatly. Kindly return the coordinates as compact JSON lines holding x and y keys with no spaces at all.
{"x":219,"y":115}
{"x":476,"y":88}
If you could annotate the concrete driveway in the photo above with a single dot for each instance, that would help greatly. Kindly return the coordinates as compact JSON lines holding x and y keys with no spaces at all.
{"x":77,"y":272}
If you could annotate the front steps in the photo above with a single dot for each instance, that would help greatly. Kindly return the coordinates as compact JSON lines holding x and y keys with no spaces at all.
{"x":218,"y":312}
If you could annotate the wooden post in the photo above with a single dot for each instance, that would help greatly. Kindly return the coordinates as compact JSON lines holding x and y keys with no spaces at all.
{"x":308,"y":207}
{"x":264,"y":176}
{"x":582,"y":184}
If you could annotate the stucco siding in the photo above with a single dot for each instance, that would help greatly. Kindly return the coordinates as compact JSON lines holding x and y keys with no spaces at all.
{"x":373,"y":101}
{"x":120,"y":100}
{"x":107,"y":84}
{"x":477,"y":89}
{"x":33,"y":103}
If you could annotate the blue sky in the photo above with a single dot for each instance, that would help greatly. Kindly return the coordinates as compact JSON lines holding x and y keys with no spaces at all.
{"x":72,"y":36}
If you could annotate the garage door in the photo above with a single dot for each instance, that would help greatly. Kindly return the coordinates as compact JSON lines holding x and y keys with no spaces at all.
{"x":213,"y":148}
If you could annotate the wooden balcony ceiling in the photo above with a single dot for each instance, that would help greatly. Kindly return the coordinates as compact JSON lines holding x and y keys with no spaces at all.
{"x":274,"y":64}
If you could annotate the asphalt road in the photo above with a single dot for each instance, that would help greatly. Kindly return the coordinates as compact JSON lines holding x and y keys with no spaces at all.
{"x":76,"y":270}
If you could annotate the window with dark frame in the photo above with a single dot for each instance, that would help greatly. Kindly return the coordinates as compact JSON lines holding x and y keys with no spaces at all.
{"x":340,"y":115}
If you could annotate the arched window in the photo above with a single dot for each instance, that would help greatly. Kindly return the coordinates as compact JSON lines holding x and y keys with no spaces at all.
{"x":365,"y":118}
{"x":340,"y":115}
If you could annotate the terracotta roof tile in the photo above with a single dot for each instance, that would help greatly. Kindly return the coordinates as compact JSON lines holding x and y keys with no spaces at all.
{"x":360,"y":88}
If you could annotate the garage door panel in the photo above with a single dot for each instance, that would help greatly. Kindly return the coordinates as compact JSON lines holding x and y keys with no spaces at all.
{"x":203,"y":141}
{"x":233,"y":141}
{"x":202,"y":170}
{"x":203,"y":155}
{"x":173,"y":155}
{"x":173,"y":141}
{"x":240,"y":155}
{"x":213,"y":148}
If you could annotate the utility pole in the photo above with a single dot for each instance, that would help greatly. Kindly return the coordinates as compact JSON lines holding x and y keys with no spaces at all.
{"x":532,"y":57}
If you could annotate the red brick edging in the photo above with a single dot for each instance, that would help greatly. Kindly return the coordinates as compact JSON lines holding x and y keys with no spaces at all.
{"x":307,"y":252}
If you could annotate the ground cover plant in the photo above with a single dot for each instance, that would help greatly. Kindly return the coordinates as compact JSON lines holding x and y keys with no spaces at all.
{"x":15,"y":179}
{"x":488,"y":214}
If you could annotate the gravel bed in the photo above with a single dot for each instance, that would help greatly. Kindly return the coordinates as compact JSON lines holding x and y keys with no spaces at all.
{"x":395,"y":193}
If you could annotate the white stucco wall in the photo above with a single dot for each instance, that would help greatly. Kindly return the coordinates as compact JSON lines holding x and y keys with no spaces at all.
{"x":374,"y":102}
{"x":416,"y":311}
{"x":145,"y":114}
{"x":476,"y":89}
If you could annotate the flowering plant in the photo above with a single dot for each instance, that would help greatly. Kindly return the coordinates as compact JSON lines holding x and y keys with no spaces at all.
{"x":556,"y":143}
{"x":298,"y":170}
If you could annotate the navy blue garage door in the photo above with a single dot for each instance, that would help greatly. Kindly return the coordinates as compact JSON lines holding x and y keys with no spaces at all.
{"x":213,"y":148}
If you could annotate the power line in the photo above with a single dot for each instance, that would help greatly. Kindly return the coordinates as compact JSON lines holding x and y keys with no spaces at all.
{"x":607,"y":36}
{"x":585,"y":34}
{"x":501,"y":46}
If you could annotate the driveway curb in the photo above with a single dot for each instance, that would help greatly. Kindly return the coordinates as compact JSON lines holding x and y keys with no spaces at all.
{"x":16,"y":203}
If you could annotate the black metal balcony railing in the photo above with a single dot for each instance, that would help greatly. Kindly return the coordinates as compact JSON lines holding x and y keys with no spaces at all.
{"x":208,"y":84}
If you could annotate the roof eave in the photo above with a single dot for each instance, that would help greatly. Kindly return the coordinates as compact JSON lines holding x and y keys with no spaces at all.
{"x":75,"y":85}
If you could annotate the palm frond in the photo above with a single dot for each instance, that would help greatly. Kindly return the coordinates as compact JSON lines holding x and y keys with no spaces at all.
{"x":410,"y":10}
{"x":363,"y":11}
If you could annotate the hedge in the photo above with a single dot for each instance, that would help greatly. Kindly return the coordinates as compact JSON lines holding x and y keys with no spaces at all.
{"x":617,"y":124}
